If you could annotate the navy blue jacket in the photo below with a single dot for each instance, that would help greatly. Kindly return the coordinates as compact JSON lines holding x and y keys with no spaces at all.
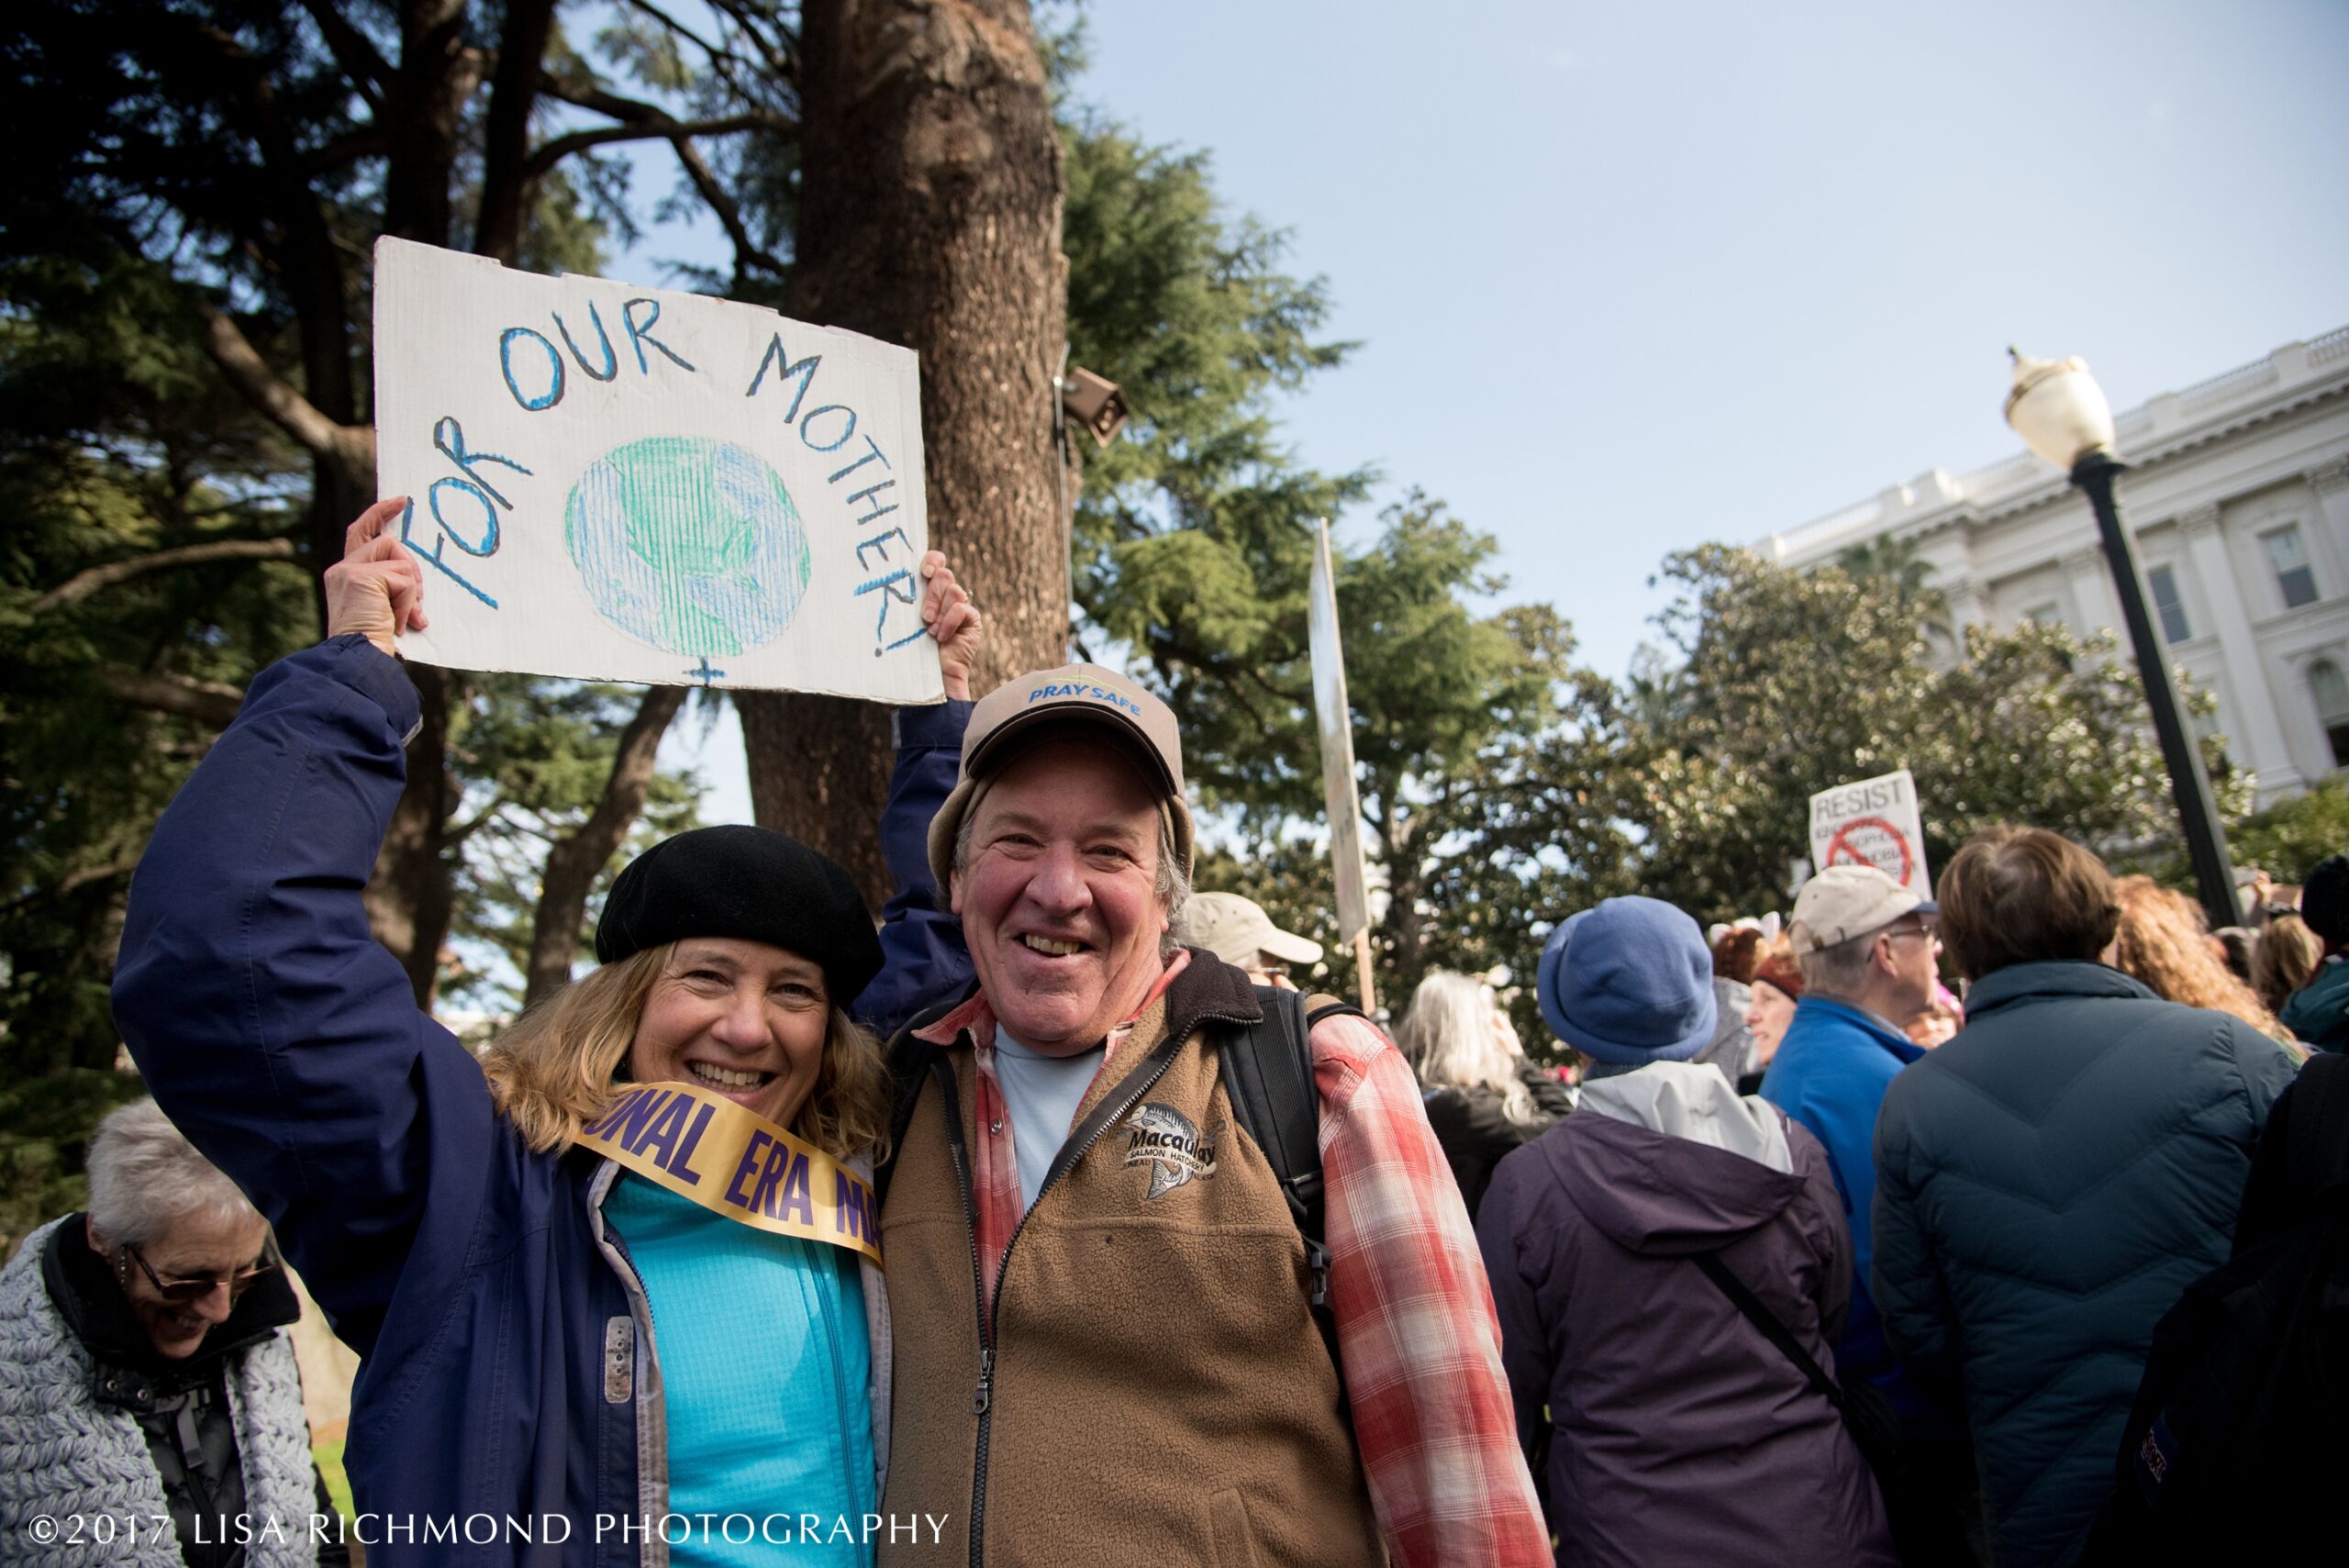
{"x":2047,"y":1184}
{"x":497,"y":1321}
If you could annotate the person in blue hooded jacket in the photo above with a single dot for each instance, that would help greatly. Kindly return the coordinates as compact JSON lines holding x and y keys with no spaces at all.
{"x":571,"y":1354}
{"x":2050,"y":1181}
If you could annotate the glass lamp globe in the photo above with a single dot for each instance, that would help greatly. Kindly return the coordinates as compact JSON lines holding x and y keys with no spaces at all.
{"x":2058,"y":410}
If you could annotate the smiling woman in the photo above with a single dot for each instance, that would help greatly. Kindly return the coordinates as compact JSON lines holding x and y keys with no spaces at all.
{"x":497,"y":1238}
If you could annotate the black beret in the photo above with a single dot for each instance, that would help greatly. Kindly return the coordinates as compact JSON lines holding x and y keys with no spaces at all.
{"x":2324,"y":900}
{"x":751,"y":883}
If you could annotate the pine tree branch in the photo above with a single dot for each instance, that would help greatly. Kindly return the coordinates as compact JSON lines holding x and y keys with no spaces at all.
{"x":208,"y":702}
{"x":553,"y":152}
{"x":359,"y":59}
{"x":268,"y":392}
{"x":84,"y":584}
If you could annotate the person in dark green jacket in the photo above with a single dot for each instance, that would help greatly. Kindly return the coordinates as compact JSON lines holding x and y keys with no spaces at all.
{"x":2051,"y":1180}
{"x":2318,"y":1013}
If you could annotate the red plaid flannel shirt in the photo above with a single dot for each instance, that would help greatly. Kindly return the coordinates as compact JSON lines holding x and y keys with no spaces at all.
{"x":1419,"y":1342}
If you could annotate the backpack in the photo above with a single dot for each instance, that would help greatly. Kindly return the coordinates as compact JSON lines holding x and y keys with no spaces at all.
{"x":2239,"y":1427}
{"x":1268,"y":1072}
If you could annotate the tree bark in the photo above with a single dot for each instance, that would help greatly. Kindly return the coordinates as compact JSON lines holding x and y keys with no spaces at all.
{"x":574,"y":862}
{"x":929,"y":216}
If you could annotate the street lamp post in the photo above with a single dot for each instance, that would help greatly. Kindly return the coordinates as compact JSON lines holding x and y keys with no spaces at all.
{"x":2061,"y":414}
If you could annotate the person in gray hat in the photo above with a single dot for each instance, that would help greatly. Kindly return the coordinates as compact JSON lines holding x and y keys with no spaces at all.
{"x":1105,"y":1334}
{"x":1868,"y":950}
{"x":1238,"y":931}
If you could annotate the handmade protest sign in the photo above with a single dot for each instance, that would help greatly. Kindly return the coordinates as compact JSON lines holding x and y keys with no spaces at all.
{"x":1872,"y":822}
{"x":614,"y":483}
{"x":1335,"y":721}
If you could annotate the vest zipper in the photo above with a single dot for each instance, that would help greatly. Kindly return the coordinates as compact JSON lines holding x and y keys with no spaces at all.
{"x":983,"y":1397}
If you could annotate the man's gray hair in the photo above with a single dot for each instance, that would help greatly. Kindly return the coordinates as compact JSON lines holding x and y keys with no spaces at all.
{"x":1841,"y":970}
{"x":145,"y":1177}
{"x":1173,"y":886}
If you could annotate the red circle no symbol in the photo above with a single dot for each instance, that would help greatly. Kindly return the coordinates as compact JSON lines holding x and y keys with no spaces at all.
{"x":1872,"y":842}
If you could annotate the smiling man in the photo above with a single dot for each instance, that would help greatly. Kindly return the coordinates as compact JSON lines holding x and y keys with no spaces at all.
{"x":1105,"y":1349}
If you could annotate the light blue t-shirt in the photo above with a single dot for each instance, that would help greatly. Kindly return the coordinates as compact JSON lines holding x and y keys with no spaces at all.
{"x":767,"y":1364}
{"x":1043,"y":1093}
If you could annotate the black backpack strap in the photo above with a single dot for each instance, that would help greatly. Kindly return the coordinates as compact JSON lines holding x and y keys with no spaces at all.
{"x":1268,"y":1071}
{"x":908,"y":1060}
{"x":1762,"y":1318}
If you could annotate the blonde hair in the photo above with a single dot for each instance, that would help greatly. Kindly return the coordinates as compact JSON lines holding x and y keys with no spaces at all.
{"x":2282,"y":960}
{"x":1453,"y":1035}
{"x":2162,"y":942}
{"x":556,"y":1069}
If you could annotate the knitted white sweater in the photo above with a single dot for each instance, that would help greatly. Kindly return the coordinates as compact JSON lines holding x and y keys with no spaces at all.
{"x":73,"y":1462}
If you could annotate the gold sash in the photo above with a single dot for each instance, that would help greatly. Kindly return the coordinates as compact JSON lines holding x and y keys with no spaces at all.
{"x":735,"y":1163}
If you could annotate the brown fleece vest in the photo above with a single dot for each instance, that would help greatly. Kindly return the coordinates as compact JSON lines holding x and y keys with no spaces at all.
{"x":1162,"y":1394}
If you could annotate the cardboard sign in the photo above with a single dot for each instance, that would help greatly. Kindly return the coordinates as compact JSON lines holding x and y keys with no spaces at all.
{"x":1336,"y":724}
{"x":623,"y":483}
{"x":1872,"y":822}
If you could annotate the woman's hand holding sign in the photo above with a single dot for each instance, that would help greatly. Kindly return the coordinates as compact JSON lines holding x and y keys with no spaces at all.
{"x":377,"y":591}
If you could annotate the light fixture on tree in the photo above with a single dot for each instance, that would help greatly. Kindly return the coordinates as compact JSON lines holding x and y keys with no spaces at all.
{"x":2062,"y":416}
{"x":1094,"y":403}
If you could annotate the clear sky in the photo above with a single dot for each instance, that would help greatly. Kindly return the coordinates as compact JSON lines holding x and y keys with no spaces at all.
{"x":1629,"y":278}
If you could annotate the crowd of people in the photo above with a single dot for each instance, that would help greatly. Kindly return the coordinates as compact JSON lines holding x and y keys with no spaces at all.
{"x":1044,"y":1219}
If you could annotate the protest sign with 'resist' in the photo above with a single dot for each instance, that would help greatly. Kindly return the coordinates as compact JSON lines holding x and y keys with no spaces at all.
{"x":1871,"y":822}
{"x":624,"y":483}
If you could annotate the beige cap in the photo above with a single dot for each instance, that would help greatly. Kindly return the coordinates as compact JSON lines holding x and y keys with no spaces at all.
{"x":1085,"y":693}
{"x":1237,"y":930}
{"x":1847,"y":901}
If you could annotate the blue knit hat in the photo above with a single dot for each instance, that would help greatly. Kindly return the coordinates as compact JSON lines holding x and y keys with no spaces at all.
{"x":1638,"y":987}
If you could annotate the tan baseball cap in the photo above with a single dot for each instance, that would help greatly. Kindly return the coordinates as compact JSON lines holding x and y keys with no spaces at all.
{"x":1847,"y":901}
{"x":1237,"y":930}
{"x":1074,"y":694}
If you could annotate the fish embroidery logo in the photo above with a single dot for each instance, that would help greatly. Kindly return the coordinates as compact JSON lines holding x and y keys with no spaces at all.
{"x":1163,"y":1139}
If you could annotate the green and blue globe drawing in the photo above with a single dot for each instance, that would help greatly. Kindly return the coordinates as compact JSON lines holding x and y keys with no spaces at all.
{"x":688,"y":544}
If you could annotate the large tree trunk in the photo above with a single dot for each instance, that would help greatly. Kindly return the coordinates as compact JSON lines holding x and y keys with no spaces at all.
{"x":929,"y":214}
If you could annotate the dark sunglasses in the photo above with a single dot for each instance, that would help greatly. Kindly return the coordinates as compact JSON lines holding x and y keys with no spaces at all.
{"x":185,"y":1292}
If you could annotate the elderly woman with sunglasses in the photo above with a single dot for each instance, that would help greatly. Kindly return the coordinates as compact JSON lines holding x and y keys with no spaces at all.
{"x":149,"y":1400}
{"x":612,"y":1285}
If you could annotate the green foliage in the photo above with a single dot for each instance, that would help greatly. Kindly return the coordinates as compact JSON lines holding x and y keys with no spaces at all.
{"x":1789,"y":683}
{"x":2287,"y":839}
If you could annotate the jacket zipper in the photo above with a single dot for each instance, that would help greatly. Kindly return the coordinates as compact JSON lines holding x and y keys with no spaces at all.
{"x":983,"y":1397}
{"x":616,"y":1255}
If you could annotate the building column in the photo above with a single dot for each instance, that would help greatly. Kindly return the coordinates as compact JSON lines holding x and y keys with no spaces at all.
{"x":2330,"y":479}
{"x":2264,"y":750}
{"x":1969,"y":603}
{"x":2091,"y":578}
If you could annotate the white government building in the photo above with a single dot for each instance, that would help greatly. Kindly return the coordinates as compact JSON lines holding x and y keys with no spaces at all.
{"x":2238,"y":498}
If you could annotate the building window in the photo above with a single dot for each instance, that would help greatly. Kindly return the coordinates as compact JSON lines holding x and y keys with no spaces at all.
{"x":2172,"y":609}
{"x":2044,"y":615}
{"x":2331,"y":694}
{"x":2290,"y":559}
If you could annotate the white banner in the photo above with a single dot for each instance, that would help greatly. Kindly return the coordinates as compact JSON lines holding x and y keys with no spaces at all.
{"x":1336,"y":724}
{"x":623,"y":483}
{"x":1872,"y":822}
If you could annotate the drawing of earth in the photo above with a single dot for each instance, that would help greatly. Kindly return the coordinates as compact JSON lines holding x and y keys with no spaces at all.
{"x":688,"y":544}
